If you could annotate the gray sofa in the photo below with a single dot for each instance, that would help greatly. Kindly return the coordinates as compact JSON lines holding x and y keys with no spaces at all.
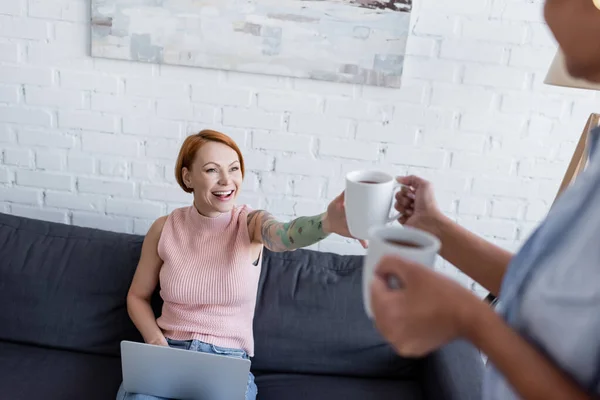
{"x":63,"y":315}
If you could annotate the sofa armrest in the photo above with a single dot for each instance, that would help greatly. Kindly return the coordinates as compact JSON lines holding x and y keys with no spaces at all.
{"x":454,"y":372}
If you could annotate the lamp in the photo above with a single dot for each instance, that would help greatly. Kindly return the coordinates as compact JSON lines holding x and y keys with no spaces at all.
{"x":559,"y":76}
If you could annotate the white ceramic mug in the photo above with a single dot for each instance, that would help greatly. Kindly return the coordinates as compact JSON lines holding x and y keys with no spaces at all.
{"x":369,"y":197}
{"x":420,"y":247}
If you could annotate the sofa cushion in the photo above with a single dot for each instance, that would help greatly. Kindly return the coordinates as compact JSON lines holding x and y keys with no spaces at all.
{"x":64,"y":286}
{"x":321,"y":387}
{"x":30,"y":372}
{"x":310,"y":319}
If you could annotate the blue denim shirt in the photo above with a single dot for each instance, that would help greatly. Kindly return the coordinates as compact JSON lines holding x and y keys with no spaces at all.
{"x":551,"y":290}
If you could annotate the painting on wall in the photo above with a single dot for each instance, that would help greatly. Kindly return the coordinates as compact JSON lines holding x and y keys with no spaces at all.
{"x":355,"y":41}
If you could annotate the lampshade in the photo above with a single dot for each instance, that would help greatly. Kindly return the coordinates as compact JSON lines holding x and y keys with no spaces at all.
{"x":559,"y":76}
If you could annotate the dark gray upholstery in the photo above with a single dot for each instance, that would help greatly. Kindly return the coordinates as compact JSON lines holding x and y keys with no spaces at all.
{"x":63,"y":313}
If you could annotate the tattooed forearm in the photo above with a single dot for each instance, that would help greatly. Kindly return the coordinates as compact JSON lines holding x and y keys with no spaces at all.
{"x":300,"y":232}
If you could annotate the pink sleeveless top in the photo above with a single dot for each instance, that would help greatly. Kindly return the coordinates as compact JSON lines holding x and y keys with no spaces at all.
{"x":208,"y":281}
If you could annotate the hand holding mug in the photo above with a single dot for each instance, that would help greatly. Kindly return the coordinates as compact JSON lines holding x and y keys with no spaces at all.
{"x":416,"y":204}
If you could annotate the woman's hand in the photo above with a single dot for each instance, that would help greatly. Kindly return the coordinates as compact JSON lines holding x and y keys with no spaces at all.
{"x":427,"y":311}
{"x":416,"y":202}
{"x":335,"y":221}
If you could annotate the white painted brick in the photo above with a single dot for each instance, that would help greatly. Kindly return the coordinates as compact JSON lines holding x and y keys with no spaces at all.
{"x":412,"y":91}
{"x":9,"y":94}
{"x":470,"y":205}
{"x":542,"y":169}
{"x":531,"y":57}
{"x":324,"y":87}
{"x":9,"y":52}
{"x":113,"y":167}
{"x":319,"y":124}
{"x":435,"y":24}
{"x":151,"y":127}
{"x":453,"y":140}
{"x":106,"y":187}
{"x":526,"y":229}
{"x":286,"y":101}
{"x":89,"y":81}
{"x":456,"y":96}
{"x":131,"y":208}
{"x":38,"y":96}
{"x":343,"y":248}
{"x":121,"y":105}
{"x":18,"y":157}
{"x":21,"y":195}
{"x":310,"y":207}
{"x":421,"y":46}
{"x":205,"y":113}
{"x":495,"y":76}
{"x":306,"y":165}
{"x":47,"y":180}
{"x":494,"y":228}
{"x":537,"y":210}
{"x":430,"y":117}
{"x":392,"y":132}
{"x":82,"y":164}
{"x":515,"y":188}
{"x":464,"y":7}
{"x":163,"y":148}
{"x":44,"y":138}
{"x":109,"y":144}
{"x":481,"y":163}
{"x":277,"y":185}
{"x":349,"y":149}
{"x":170,"y":109}
{"x":73,"y":10}
{"x":494,"y":31}
{"x":348,"y":166}
{"x":142,"y":226}
{"x":309,"y":187}
{"x":168,"y":193}
{"x":49,"y":160}
{"x":5,"y":175}
{"x":23,"y":28}
{"x":547,"y":190}
{"x":44,"y":54}
{"x":156,"y":89}
{"x":494,"y":123}
{"x":523,"y":11}
{"x":6,"y":134}
{"x":148,"y":171}
{"x":251,"y":182}
{"x":281,"y":141}
{"x":25,"y":116}
{"x":280,"y":206}
{"x":189,"y":74}
{"x":507,"y":208}
{"x":13,"y":7}
{"x":258,"y":161}
{"x":419,"y":157}
{"x":464,"y":50}
{"x":239,"y":135}
{"x":59,"y":216}
{"x":221,"y":95}
{"x":102,"y":222}
{"x":247,"y":80}
{"x":70,"y":201}
{"x":357,"y":109}
{"x":431,"y":69}
{"x":88,"y":120}
{"x":541,"y":36}
{"x":245,"y":118}
{"x":253,"y":200}
{"x":72,"y":33}
{"x":124,"y":68}
{"x":25,"y":75}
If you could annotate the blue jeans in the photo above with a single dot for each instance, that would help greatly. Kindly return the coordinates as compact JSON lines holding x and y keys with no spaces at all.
{"x":196,"y":345}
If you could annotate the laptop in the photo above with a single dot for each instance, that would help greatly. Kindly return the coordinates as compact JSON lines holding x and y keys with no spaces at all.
{"x":182,"y":374}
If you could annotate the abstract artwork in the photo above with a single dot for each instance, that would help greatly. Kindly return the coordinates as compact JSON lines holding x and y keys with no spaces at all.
{"x":355,"y":41}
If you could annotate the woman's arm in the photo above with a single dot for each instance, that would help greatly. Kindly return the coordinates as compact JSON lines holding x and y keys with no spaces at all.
{"x":143,"y":285}
{"x":529,"y":372}
{"x":285,"y":236}
{"x":482,"y":261}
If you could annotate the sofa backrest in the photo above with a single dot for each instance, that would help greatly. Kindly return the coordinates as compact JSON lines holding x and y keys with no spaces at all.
{"x":65,"y":287}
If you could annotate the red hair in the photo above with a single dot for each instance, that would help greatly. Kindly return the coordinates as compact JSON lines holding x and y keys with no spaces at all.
{"x":193,"y":143}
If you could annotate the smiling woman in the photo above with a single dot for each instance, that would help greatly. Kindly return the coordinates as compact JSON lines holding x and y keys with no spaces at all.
{"x":207,"y":256}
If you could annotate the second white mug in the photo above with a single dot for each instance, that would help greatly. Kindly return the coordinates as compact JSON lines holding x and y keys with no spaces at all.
{"x":369,"y":197}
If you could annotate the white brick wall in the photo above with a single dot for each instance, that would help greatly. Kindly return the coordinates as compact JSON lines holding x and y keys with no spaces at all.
{"x":92,"y":141}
